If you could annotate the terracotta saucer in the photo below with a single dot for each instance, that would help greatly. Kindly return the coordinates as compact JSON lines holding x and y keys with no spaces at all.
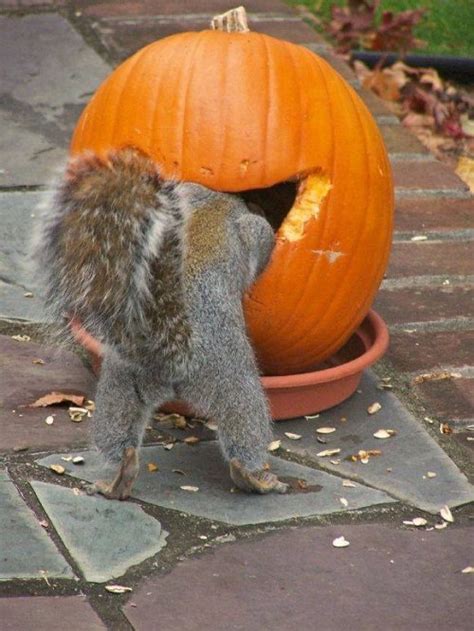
{"x":291,"y":396}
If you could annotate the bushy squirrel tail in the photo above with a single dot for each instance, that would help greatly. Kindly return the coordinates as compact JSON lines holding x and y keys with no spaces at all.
{"x":110,"y":250}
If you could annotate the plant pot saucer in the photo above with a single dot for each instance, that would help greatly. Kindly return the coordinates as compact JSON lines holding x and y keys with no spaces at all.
{"x":291,"y":396}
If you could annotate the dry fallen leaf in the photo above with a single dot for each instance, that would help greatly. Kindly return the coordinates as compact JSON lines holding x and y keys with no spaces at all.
{"x":152,"y":467}
{"x":328,"y":452}
{"x":348,"y":483}
{"x":53,"y":398}
{"x":274,"y":445}
{"x":325,"y":430}
{"x":374,"y":407}
{"x":292,"y":436}
{"x":340,"y":542}
{"x":465,"y":169}
{"x":118,"y":589}
{"x":211,"y":425}
{"x":57,"y":468}
{"x":39,"y":362}
{"x":446,"y":514}
{"x":468,"y":570}
{"x":384,"y":433}
{"x":192,"y":489}
{"x":191,"y":440}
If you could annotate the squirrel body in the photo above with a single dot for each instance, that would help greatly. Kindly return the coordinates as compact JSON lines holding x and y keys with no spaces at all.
{"x":156,"y":270}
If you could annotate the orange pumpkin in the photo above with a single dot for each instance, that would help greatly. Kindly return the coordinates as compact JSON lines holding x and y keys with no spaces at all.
{"x":239,"y":111}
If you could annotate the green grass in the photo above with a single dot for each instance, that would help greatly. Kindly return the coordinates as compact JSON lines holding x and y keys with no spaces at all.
{"x":447,"y":27}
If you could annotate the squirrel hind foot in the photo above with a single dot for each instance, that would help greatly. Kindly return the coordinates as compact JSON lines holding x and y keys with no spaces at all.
{"x":261,"y":481}
{"x":121,"y":487}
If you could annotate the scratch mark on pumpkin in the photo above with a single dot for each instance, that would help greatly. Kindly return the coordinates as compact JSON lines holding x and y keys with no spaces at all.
{"x":331,"y":255}
{"x":206,"y":171}
{"x":313,"y":190}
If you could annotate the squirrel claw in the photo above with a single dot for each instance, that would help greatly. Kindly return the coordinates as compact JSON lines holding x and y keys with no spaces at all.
{"x":261,"y":481}
{"x":121,"y":487}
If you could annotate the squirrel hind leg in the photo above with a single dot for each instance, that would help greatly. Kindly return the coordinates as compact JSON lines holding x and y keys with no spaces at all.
{"x":241,"y":411}
{"x":126,"y":397}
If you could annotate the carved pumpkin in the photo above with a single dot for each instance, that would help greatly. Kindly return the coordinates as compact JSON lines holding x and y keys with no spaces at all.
{"x":241,"y":112}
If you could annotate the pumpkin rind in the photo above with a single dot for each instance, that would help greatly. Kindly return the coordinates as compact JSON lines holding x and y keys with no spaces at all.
{"x":236,"y":111}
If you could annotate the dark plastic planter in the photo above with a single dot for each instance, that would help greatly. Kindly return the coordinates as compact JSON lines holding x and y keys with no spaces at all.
{"x":291,"y":396}
{"x":458,"y":68}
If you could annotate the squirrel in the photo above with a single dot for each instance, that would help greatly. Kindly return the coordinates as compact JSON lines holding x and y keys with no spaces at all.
{"x":156,"y":269}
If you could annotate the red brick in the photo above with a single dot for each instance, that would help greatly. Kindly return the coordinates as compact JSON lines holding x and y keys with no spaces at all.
{"x":418,"y":214}
{"x":419,"y":175}
{"x":26,"y":4}
{"x":117,"y":8}
{"x":48,"y":613}
{"x":424,"y":258}
{"x":410,"y":352}
{"x":399,"y":140}
{"x":122,"y":40}
{"x":295,"y":31}
{"x":449,"y":399}
{"x":424,"y":304}
{"x":374,"y":103}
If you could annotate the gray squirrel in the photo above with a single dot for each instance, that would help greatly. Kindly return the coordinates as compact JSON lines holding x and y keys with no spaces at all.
{"x":156,"y":270}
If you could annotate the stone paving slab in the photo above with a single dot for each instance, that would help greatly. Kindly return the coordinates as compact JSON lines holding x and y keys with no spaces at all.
{"x":171,"y":7}
{"x":50,"y":75}
{"x":26,"y":551}
{"x":105,"y":538}
{"x":405,"y":459}
{"x":387,"y":578}
{"x":18,"y":213}
{"x":204,"y":468}
{"x":23,"y":382}
{"x":53,"y":613}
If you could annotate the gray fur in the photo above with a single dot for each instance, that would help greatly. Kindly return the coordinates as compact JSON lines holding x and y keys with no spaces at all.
{"x":180,"y":331}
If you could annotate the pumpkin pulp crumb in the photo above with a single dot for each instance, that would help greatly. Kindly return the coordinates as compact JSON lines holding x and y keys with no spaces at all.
{"x":313,"y":190}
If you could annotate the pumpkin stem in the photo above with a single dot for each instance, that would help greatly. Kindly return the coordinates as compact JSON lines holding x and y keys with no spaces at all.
{"x":233,"y":21}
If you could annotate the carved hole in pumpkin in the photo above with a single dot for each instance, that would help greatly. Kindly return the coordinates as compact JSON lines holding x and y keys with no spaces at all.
{"x":274,"y":202}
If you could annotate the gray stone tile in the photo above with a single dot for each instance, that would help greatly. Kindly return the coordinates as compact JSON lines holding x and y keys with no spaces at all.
{"x":204,"y":467}
{"x":105,"y":538}
{"x":388,"y":578}
{"x":50,"y":613}
{"x":26,"y":551}
{"x":22,"y":382}
{"x":50,"y":75}
{"x":405,"y":458}
{"x":16,"y":227}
